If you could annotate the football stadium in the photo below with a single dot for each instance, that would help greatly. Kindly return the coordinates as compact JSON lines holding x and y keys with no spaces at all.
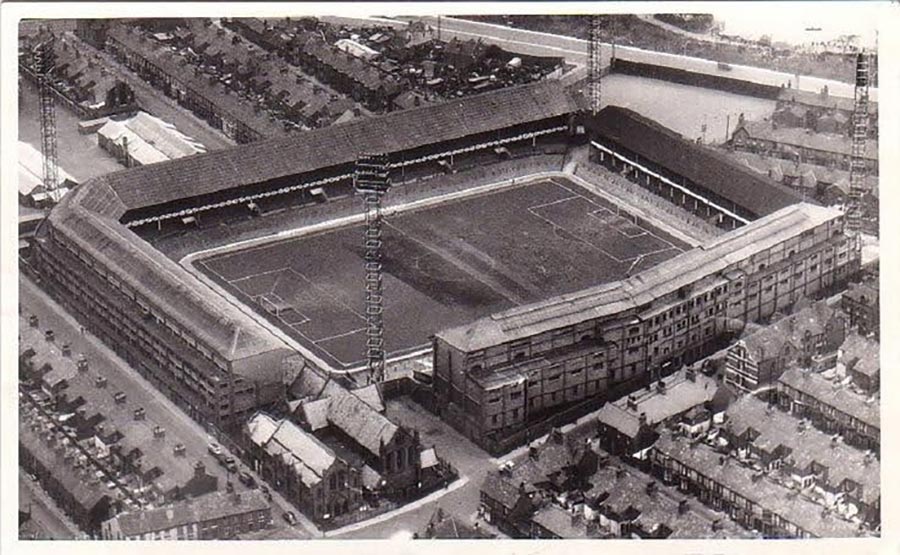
{"x":207,"y":272}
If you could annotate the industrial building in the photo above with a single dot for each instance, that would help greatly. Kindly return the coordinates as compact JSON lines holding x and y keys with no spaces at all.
{"x":495,"y":376}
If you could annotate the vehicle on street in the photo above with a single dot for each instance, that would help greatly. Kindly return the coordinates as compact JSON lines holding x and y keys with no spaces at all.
{"x":229,"y":463}
{"x":289,"y":517}
{"x":247,"y":479}
{"x":214,"y":450}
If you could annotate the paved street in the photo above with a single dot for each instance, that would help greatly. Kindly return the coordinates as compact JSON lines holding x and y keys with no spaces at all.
{"x":158,"y":407}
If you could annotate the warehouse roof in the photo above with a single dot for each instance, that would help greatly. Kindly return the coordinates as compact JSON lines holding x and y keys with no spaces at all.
{"x":704,"y":166}
{"x":615,"y":297}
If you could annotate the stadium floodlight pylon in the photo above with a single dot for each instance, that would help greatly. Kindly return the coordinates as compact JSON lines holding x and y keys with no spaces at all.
{"x":595,"y":64}
{"x":372,"y":180}
{"x":43,"y":67}
{"x":859,"y":136}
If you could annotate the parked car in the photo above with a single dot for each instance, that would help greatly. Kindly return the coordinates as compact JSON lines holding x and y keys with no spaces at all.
{"x":215,"y":450}
{"x":289,"y":517}
{"x":229,"y":463}
{"x":247,"y":479}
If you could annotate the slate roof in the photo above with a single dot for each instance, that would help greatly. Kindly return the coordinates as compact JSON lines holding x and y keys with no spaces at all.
{"x":795,"y":136}
{"x":777,"y":428}
{"x":703,"y":165}
{"x":500,"y":489}
{"x":860,"y":354}
{"x":833,"y":395}
{"x":616,"y":297}
{"x":793,"y":508}
{"x":207,"y":507}
{"x":316,"y":413}
{"x":359,"y":421}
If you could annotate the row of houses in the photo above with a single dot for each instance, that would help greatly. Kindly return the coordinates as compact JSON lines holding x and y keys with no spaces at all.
{"x":215,"y":516}
{"x":748,"y":496}
{"x":79,"y":76}
{"x":820,"y":111}
{"x":569,"y":488}
{"x":793,"y":143}
{"x":204,"y":94}
{"x":89,"y":415}
{"x":835,"y":474}
{"x":249,"y":69}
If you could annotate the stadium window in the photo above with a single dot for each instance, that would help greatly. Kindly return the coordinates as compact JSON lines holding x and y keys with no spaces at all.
{"x":515,"y":394}
{"x":762,"y":267}
{"x":494,"y":400}
{"x":634,"y":330}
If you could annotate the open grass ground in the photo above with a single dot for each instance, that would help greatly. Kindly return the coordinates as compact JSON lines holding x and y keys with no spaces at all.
{"x":445,"y":266}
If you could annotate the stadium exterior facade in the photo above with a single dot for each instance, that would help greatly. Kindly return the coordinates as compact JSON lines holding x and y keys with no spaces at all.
{"x":494,"y":377}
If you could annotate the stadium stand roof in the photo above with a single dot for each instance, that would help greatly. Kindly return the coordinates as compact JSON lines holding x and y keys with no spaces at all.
{"x":656,"y":282}
{"x":704,"y":166}
{"x":338,"y":144}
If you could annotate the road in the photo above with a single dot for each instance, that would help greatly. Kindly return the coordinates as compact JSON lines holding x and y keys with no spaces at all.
{"x":49,"y":518}
{"x":159,"y":408}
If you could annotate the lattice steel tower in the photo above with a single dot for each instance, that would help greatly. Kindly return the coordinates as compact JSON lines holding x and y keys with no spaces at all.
{"x":859,"y":136}
{"x":595,"y":64}
{"x":372,"y":180}
{"x":44,"y":61}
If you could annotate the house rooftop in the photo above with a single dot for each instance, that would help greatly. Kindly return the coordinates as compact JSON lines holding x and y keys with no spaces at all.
{"x":770,"y":496}
{"x":780,"y":429}
{"x":209,"y":507}
{"x":833,"y":394}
